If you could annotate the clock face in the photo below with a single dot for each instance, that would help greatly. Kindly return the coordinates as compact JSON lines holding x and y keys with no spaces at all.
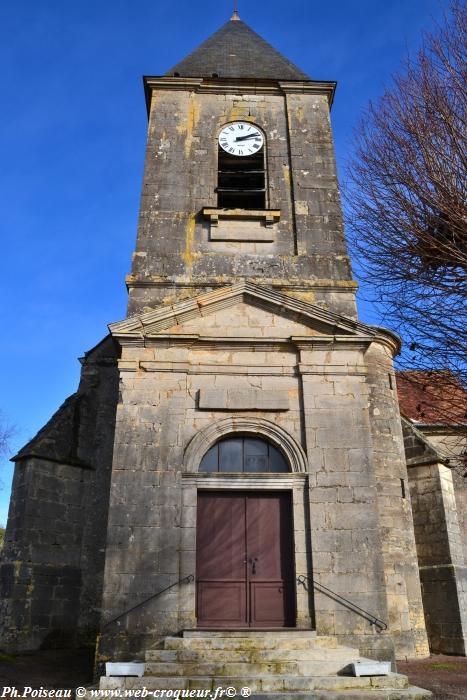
{"x":241,"y":139}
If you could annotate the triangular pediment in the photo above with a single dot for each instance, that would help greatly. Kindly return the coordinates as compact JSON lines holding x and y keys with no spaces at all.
{"x":241,"y":310}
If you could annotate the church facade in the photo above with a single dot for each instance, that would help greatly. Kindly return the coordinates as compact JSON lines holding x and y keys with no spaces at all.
{"x":234,"y":457}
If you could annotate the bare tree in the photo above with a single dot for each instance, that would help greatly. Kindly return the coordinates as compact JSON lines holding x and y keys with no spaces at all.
{"x":6,"y":433}
{"x":406,"y":202}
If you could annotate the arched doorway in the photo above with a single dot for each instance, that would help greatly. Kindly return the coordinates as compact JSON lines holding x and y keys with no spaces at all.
{"x":245,"y":574}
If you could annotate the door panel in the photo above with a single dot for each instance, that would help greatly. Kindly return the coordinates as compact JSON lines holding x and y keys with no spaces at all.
{"x":222,"y":603}
{"x":270,"y":557}
{"x":221,"y":536}
{"x":270,"y":604}
{"x":264,"y":535}
{"x":244,"y":561}
{"x":220,"y":560}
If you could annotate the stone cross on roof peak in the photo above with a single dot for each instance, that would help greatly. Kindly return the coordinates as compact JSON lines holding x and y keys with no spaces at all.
{"x":235,"y":17}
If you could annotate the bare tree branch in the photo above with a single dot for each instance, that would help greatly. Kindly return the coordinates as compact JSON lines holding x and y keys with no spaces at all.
{"x":406,"y":203}
{"x":6,"y":433}
{"x":406,"y":206}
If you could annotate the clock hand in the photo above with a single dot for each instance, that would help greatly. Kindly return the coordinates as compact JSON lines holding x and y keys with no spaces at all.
{"x":249,"y":136}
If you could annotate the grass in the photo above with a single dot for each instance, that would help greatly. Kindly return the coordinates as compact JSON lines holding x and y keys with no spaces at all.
{"x":444,"y":666}
{"x":8,"y":658}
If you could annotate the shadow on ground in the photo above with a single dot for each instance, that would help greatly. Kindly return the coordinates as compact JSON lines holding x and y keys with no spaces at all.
{"x":51,"y":668}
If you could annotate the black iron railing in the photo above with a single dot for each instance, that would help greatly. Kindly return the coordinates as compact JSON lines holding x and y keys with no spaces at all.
{"x":185,"y":579}
{"x":372,"y":619}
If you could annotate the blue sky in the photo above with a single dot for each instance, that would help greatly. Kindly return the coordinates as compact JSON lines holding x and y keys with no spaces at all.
{"x":72,"y":139}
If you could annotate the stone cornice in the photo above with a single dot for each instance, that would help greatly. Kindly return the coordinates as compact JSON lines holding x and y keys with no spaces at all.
{"x":334,"y":286}
{"x":387,"y":338}
{"x":154,"y":322}
{"x":237,"y":86}
{"x":233,"y":343}
{"x":430,"y":455}
{"x":264,"y":369}
{"x":441,"y":428}
{"x":328,"y":326}
{"x":66,"y":461}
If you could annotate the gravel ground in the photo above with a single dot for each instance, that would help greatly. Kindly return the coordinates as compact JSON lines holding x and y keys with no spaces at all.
{"x":445,"y":676}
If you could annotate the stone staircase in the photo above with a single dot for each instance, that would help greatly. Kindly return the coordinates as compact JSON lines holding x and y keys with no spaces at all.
{"x":287,"y":665}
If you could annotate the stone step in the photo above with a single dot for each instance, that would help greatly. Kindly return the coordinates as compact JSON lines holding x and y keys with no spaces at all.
{"x":410,"y":693}
{"x":244,"y":643}
{"x":252,"y":655}
{"x":214,"y":668}
{"x":278,"y":688}
{"x":250,"y":633}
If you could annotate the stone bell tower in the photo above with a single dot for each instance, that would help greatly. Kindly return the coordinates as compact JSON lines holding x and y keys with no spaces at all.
{"x":241,"y":357}
{"x":207,"y":220}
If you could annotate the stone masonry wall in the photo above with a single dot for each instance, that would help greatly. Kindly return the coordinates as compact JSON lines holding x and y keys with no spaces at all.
{"x":346,"y":542}
{"x":460,"y":489}
{"x":453,"y":445}
{"x":152,"y":529}
{"x":308,"y":256}
{"x":395,"y":523}
{"x":40,"y":570}
{"x":51,"y":569}
{"x":441,"y":557}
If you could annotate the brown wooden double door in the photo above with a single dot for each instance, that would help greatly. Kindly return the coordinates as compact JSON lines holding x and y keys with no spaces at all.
{"x":244,"y":560}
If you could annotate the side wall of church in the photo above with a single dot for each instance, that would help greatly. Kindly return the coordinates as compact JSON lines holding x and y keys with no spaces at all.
{"x":51,"y":568}
{"x":307,"y":255}
{"x":453,"y":445}
{"x":441,"y":557}
{"x":40,"y":570}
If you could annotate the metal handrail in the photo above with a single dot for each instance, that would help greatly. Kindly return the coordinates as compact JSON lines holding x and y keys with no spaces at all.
{"x":372,"y":619}
{"x":185,"y":579}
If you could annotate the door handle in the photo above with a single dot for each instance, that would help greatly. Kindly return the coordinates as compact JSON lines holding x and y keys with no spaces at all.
{"x":253,"y":561}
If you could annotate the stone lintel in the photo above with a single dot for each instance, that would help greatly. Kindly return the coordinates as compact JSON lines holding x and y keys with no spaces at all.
{"x":243,"y":399}
{"x":231,"y":480}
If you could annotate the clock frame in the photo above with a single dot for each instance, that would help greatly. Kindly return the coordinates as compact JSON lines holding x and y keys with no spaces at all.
{"x":241,"y":138}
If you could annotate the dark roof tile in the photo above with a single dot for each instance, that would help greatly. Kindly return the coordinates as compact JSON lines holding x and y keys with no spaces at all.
{"x":236,"y":51}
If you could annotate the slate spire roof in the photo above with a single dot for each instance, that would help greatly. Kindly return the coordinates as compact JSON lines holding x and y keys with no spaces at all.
{"x":236,"y":51}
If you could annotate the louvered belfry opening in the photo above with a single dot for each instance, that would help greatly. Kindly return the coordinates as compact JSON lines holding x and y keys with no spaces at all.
{"x":241,"y":181}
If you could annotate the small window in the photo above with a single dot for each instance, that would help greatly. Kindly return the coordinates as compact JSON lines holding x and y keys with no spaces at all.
{"x":243,"y":454}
